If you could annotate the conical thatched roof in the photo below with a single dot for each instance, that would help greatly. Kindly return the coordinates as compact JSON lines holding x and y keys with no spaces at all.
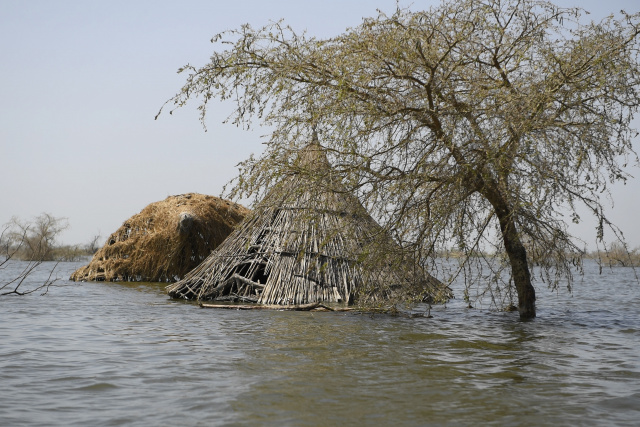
{"x":165,"y":240}
{"x":306,"y":242}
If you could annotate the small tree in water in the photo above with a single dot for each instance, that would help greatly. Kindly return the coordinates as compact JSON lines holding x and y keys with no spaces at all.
{"x":477,"y":123}
{"x":33,"y":242}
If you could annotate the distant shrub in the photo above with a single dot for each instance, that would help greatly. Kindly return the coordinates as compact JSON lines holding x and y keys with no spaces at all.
{"x":36,"y":240}
{"x":617,"y":255}
{"x":70,"y":253}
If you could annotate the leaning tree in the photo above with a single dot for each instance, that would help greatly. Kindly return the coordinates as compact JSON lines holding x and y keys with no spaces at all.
{"x":483,"y":124}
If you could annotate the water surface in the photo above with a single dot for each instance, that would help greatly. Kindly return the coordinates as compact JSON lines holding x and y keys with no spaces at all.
{"x":124,"y":354}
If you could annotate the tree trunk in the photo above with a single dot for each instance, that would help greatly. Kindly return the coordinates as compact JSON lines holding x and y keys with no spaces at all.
{"x":516,"y":252}
{"x":519,"y":267}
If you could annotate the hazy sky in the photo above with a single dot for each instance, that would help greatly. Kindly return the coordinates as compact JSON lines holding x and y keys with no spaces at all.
{"x":81,"y":82}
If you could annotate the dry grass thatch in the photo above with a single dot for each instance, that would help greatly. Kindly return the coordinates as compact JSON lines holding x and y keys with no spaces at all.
{"x":308,"y":241}
{"x":165,"y":240}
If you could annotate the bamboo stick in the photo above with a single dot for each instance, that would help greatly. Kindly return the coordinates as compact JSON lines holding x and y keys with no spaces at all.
{"x":293,"y":307}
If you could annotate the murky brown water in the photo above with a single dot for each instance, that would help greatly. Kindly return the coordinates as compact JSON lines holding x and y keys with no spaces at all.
{"x":112,"y":354}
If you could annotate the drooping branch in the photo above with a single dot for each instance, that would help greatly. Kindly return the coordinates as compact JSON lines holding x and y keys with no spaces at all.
{"x":435,"y":118}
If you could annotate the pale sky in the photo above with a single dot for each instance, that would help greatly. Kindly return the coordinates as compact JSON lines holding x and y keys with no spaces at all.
{"x":81,"y":82}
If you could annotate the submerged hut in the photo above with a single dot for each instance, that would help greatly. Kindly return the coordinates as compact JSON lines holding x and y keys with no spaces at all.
{"x":308,"y":241}
{"x":165,"y":241}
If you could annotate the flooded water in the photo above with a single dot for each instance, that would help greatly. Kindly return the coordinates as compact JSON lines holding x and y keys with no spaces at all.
{"x":105,"y":354}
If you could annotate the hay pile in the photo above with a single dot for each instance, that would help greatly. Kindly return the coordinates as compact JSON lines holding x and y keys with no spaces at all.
{"x":164,"y":241}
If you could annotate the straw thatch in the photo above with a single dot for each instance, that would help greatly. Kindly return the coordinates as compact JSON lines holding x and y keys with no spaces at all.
{"x":308,"y":241}
{"x":165,"y":240}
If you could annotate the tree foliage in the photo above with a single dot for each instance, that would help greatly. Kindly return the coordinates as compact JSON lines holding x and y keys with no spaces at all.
{"x":479,"y":124}
{"x":32,"y":242}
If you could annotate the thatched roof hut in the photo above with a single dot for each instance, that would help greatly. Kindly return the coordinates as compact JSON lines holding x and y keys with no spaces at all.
{"x":308,"y":241}
{"x":164,"y":241}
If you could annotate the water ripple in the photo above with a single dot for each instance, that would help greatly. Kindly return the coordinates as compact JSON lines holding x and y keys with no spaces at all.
{"x":112,"y":354}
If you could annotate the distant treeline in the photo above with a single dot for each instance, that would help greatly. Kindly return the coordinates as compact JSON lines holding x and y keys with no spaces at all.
{"x":617,"y":255}
{"x":36,"y":240}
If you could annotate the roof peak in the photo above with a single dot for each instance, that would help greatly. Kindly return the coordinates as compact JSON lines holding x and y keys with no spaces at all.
{"x":313,"y":155}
